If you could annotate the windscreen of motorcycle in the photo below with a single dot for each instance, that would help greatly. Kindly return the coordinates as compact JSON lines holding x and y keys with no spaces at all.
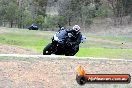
{"x":61,"y":36}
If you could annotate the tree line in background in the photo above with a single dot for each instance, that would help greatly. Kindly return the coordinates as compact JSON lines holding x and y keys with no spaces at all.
{"x":22,"y":13}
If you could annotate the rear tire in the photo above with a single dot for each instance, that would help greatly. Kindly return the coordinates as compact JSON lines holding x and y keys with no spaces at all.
{"x":48,"y":50}
{"x":72,"y":52}
{"x":69,"y":54}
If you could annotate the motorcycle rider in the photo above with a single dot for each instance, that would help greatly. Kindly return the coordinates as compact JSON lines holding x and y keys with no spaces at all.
{"x":33,"y":27}
{"x":64,"y":42}
{"x":74,"y":38}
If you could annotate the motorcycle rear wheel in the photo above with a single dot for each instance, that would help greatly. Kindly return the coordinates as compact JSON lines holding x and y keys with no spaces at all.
{"x":72,"y":52}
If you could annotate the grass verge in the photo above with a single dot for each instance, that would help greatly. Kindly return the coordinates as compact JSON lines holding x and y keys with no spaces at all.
{"x":105,"y":53}
{"x":37,"y":40}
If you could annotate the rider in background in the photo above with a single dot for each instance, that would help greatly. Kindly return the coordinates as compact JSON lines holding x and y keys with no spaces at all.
{"x":33,"y":27}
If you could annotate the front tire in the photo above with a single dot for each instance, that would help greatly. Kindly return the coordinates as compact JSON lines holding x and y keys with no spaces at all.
{"x":48,"y":50}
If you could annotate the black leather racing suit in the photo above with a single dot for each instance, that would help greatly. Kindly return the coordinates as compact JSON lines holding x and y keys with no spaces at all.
{"x":74,"y":40}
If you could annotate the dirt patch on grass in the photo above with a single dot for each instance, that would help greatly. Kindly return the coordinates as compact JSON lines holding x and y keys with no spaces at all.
{"x":2,"y":31}
{"x":8,"y":49}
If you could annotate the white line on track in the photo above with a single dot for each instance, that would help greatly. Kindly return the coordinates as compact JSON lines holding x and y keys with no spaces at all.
{"x":59,"y":57}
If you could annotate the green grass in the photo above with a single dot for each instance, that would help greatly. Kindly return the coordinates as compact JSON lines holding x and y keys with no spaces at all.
{"x":37,"y":40}
{"x":26,"y":39}
{"x":96,"y":44}
{"x":115,"y":38}
{"x":106,"y":53}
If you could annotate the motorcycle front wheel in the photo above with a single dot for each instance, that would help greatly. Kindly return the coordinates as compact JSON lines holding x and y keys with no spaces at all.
{"x":48,"y":50}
